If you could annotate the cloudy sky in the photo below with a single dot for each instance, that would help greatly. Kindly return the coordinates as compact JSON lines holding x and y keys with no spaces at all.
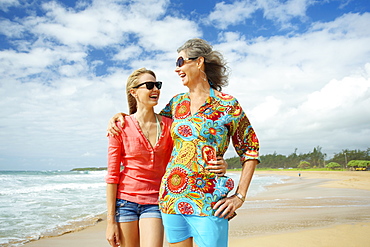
{"x":300,"y":69}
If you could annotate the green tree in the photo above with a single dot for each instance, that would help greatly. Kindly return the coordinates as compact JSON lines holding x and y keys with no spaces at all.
{"x":347,"y":155}
{"x":359,"y":164}
{"x":317,"y":157}
{"x":293,"y":159}
{"x":233,"y":163}
{"x":304,"y":165}
{"x":273,"y":161}
{"x":333,"y":166}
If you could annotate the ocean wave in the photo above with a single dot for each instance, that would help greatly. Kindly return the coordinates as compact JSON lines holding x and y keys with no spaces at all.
{"x":51,"y":188}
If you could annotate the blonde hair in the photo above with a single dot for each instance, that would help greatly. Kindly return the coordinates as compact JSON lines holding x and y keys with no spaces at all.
{"x":133,"y":81}
{"x":215,"y":66}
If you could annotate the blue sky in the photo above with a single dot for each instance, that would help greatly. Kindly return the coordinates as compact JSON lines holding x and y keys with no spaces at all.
{"x":300,"y":69}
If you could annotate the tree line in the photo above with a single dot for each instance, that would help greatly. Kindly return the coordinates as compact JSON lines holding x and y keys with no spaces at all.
{"x":314,"y":159}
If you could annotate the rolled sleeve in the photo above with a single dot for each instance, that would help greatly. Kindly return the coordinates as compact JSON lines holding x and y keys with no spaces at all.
{"x":244,"y":138}
{"x":115,"y":149}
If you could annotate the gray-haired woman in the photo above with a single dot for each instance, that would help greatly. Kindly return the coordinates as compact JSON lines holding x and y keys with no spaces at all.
{"x":193,"y":200}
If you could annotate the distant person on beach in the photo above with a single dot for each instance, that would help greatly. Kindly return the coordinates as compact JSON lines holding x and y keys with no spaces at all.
{"x":137,"y":160}
{"x":193,"y":201}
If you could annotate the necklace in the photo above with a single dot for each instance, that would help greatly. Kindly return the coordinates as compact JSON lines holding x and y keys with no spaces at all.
{"x":146,"y":131}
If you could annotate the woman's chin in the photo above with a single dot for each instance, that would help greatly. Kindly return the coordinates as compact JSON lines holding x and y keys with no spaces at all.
{"x":184,"y":82}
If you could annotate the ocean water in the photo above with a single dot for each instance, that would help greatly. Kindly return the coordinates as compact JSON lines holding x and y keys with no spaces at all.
{"x":49,"y":203}
{"x":37,"y":204}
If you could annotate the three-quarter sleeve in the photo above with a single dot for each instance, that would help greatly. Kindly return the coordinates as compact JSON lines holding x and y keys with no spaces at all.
{"x":115,"y":149}
{"x":244,"y":138}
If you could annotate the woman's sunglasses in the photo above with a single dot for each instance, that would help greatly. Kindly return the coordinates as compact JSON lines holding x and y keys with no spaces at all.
{"x":180,"y":61}
{"x":150,"y":84}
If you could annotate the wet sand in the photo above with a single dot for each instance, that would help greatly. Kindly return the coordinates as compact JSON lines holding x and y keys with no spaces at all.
{"x":317,"y":209}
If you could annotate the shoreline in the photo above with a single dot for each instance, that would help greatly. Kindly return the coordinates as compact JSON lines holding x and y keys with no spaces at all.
{"x":318,"y":209}
{"x":338,"y":179}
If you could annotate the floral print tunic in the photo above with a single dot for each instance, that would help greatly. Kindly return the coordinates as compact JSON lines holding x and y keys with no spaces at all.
{"x":188,"y":188}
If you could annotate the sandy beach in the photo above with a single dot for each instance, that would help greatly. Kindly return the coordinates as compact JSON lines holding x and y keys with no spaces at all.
{"x":317,"y":209}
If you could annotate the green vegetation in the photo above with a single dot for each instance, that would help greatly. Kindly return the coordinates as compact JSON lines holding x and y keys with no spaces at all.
{"x":304,"y":165}
{"x":359,"y":165}
{"x":312,"y":161}
{"x":315,"y":160}
{"x":333,"y":166}
{"x":289,"y":169}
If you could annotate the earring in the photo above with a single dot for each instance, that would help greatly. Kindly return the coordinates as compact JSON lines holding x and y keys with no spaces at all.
{"x":205,"y":76}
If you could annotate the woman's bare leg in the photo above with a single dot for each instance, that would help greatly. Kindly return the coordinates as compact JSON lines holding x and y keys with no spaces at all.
{"x":129,"y":233}
{"x":186,"y":243}
{"x":151,"y":232}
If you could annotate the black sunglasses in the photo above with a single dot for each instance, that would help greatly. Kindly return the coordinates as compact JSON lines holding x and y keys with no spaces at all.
{"x":150,"y":84}
{"x":180,"y":61}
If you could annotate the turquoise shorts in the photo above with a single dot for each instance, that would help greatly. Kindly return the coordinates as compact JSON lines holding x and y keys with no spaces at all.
{"x":207,"y":231}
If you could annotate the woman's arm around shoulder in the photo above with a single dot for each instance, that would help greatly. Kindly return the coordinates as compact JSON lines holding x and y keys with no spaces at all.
{"x":112,"y":128}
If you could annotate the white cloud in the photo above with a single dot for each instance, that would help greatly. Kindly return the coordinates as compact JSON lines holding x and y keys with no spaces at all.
{"x":284,"y":11}
{"x":336,"y":94}
{"x":305,"y":90}
{"x":11,"y":29}
{"x":49,"y":91}
{"x":99,"y":25}
{"x":5,"y":4}
{"x":128,"y":53}
{"x":266,"y":111}
{"x":231,"y":14}
{"x":300,"y":91}
{"x":350,"y":25}
{"x":238,"y":12}
{"x":160,"y":35}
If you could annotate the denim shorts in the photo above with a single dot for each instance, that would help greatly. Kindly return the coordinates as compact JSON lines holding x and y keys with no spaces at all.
{"x":127,"y":211}
{"x":207,"y":231}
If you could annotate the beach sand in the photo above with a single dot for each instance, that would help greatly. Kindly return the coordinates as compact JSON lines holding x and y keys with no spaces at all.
{"x":317,"y":209}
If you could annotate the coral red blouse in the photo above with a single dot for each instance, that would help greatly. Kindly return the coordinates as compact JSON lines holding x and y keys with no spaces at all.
{"x":135,"y":165}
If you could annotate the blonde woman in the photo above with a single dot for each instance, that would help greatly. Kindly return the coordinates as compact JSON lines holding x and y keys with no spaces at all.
{"x":137,"y":159}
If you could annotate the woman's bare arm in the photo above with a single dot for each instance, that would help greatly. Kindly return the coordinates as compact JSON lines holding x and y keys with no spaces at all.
{"x":227,"y":206}
{"x":112,"y":232}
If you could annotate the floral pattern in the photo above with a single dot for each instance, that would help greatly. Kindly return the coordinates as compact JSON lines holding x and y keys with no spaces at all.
{"x":177,"y":181}
{"x":212,"y":131}
{"x":187,"y":187}
{"x":183,"y":109}
{"x":202,"y":182}
{"x":185,"y":131}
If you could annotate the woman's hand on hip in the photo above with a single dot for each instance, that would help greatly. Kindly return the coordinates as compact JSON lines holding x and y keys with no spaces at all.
{"x":218,"y":166}
{"x":226,"y":207}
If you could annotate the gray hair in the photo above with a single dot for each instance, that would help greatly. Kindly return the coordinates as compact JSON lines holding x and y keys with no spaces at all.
{"x":215,"y":65}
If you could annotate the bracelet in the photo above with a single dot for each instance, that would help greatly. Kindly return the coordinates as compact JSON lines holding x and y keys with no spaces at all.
{"x":238,"y":195}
